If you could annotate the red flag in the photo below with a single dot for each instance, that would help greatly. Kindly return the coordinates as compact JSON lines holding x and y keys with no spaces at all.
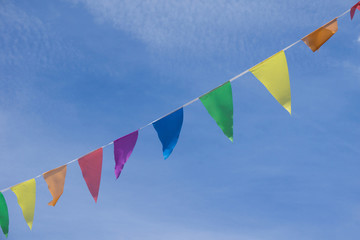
{"x":91,"y":165}
{"x":353,"y":9}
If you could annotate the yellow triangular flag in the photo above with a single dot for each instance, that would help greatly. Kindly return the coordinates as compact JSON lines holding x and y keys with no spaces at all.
{"x":274,"y":74}
{"x":317,"y":38}
{"x":26,"y":194}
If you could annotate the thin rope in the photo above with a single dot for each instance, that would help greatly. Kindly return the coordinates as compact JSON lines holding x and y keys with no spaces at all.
{"x":343,"y":13}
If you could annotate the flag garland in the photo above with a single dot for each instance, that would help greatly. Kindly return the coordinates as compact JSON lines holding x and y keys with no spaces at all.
{"x":272,"y":73}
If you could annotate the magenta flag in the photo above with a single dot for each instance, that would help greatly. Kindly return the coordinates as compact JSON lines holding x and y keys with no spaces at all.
{"x":353,"y":9}
{"x":123,"y":148}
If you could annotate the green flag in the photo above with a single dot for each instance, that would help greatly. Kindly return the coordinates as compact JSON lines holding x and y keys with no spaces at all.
{"x":4,"y":215}
{"x":219,"y":104}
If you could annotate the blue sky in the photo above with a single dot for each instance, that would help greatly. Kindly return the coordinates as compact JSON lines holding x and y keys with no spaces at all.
{"x":75,"y":75}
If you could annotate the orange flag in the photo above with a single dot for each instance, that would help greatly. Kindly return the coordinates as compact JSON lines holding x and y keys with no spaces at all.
{"x":55,"y":180}
{"x":317,"y":38}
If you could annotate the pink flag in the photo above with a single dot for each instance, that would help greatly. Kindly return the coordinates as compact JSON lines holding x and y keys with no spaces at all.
{"x":91,"y":165}
{"x":353,"y":9}
{"x":123,"y":148}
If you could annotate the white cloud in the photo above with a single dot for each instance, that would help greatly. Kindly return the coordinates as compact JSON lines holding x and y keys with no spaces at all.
{"x":25,"y":39}
{"x":206,"y":25}
{"x":358,"y":39}
{"x":27,"y":44}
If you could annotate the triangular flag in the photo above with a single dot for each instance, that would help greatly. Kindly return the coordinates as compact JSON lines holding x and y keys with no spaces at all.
{"x":4,"y":215}
{"x":317,"y":38}
{"x":168,"y":130}
{"x":219,"y":104}
{"x":91,"y":165}
{"x":123,"y":148}
{"x":274,"y":75}
{"x":55,"y":180}
{"x":26,"y":195}
{"x":353,"y":9}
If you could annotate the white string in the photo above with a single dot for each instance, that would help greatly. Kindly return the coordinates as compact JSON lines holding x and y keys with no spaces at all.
{"x":343,"y":14}
{"x":185,"y":105}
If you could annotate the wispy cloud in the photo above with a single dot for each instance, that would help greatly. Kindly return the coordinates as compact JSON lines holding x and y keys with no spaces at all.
{"x":27,"y":44}
{"x":203,"y":26}
{"x":28,"y":49}
{"x":26,"y":41}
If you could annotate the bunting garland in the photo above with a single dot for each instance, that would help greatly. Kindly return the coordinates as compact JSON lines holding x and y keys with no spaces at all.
{"x":219,"y":104}
{"x":26,"y":194}
{"x":272,"y":73}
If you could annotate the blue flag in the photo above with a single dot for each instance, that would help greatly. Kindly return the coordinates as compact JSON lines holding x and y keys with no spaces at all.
{"x":168,"y":130}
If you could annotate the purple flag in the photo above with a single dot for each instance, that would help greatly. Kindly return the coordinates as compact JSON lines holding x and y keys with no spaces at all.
{"x":123,"y":148}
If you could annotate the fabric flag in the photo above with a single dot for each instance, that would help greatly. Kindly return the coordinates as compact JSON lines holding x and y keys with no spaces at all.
{"x":219,"y":104}
{"x":4,"y":215}
{"x":317,"y":38}
{"x":274,"y":75}
{"x":123,"y":148}
{"x":91,"y":165}
{"x":26,"y":195}
{"x":353,"y":9}
{"x":168,"y":130}
{"x":55,"y":180}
